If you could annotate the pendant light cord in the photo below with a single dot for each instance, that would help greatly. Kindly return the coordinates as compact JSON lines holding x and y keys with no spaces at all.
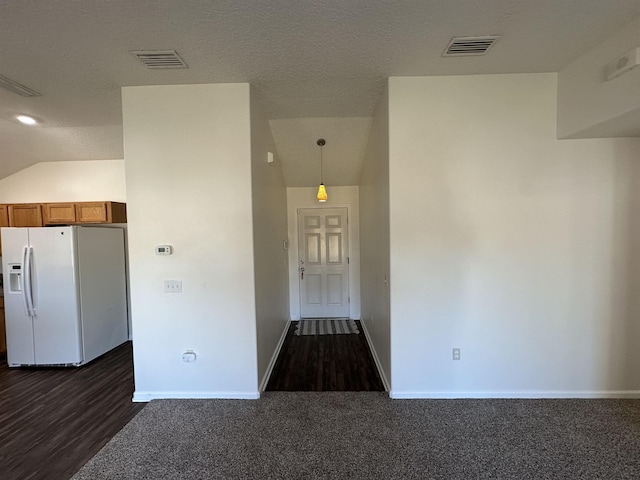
{"x":321,"y":143}
{"x":321,"y":176}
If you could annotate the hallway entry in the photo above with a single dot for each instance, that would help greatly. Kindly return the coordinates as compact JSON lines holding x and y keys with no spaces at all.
{"x":323,"y":265}
{"x":325,"y":363}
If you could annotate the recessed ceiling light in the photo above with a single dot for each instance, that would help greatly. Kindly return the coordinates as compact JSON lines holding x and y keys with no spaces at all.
{"x":26,"y":119}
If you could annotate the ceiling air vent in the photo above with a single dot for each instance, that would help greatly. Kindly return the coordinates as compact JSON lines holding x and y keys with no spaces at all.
{"x":160,"y":59}
{"x":463,"y":46}
{"x":16,"y":87}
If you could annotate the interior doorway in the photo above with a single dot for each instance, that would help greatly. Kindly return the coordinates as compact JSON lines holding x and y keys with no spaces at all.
{"x":323,"y":264}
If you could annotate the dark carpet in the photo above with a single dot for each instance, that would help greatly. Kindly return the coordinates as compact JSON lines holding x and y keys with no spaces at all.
{"x":365,"y":435}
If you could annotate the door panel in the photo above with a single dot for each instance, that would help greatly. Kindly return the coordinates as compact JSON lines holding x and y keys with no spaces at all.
{"x":313,"y":289}
{"x":334,"y":289}
{"x":313,"y":248}
{"x":56,"y":325}
{"x":334,"y":249}
{"x":324,"y":266}
{"x":19,"y":325}
{"x":333,"y":221}
{"x":312,"y":221}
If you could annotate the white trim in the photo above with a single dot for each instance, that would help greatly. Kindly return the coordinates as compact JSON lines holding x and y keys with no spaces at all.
{"x":521,"y":394}
{"x":148,"y":396}
{"x":376,"y":359}
{"x":274,"y":357}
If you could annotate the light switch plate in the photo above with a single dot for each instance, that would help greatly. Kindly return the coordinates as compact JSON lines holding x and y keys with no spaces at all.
{"x":173,"y":286}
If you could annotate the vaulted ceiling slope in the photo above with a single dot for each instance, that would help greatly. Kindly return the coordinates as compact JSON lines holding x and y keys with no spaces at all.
{"x":326,"y":59}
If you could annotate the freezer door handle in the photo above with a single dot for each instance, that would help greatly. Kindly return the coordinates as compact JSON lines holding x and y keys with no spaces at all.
{"x":23,"y":281}
{"x":28,"y":282}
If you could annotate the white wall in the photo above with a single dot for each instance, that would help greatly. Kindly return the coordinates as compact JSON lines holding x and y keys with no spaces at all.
{"x":589,"y":106}
{"x":305,"y":197}
{"x":269,"y":233}
{"x":188,"y":169}
{"x":374,"y":231}
{"x":76,"y":181}
{"x":518,"y":248}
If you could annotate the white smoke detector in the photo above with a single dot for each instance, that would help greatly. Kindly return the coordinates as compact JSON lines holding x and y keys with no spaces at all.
{"x":623,"y":64}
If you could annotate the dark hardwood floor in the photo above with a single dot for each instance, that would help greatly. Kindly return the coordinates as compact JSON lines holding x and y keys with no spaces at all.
{"x":322,"y":363}
{"x":52,"y":421}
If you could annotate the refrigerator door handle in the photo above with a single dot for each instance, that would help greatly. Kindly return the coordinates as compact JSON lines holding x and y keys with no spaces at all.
{"x":23,"y":281}
{"x":28,"y":292}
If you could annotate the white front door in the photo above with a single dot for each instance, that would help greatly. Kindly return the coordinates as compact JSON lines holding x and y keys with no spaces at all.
{"x":323,"y":268}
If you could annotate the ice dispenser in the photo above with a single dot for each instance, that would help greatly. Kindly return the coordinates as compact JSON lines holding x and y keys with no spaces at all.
{"x":15,"y":278}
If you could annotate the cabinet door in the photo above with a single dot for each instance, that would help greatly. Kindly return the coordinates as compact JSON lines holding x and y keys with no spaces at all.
{"x":4,"y":220}
{"x":25,"y":215}
{"x":92,"y":212}
{"x":101,"y":212}
{"x":4,"y":216}
{"x":59,"y":213}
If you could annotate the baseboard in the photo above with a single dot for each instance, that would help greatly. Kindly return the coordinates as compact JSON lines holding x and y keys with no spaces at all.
{"x":633,"y":394}
{"x":274,"y":357}
{"x":376,"y":359}
{"x":148,"y":396}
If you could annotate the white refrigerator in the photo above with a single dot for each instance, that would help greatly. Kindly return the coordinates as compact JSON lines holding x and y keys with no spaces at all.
{"x":64,"y":294}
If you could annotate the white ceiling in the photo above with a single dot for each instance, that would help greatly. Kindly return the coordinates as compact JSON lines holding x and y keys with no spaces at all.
{"x":318,"y":67}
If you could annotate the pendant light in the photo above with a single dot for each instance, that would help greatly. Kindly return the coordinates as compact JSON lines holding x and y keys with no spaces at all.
{"x":322,"y":192}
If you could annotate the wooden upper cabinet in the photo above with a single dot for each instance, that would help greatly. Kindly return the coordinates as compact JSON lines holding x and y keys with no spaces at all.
{"x":25,"y":215}
{"x":59,"y":213}
{"x":4,"y":220}
{"x":4,"y":215}
{"x":64,"y":213}
{"x":101,"y":212}
{"x":84,"y":212}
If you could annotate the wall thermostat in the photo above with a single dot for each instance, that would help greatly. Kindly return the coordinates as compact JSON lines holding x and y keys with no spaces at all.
{"x":189,"y":356}
{"x":164,"y":250}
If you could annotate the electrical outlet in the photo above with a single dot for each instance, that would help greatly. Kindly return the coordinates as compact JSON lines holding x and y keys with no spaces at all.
{"x":173,"y":286}
{"x":456,"y":354}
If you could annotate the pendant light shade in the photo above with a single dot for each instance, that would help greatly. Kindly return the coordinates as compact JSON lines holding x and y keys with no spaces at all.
{"x":322,"y":192}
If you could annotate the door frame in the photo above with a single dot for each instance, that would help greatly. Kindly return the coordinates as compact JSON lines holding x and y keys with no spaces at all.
{"x":302,"y":197}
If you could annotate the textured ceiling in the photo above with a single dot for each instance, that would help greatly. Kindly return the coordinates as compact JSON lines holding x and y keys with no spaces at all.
{"x":313,"y":64}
